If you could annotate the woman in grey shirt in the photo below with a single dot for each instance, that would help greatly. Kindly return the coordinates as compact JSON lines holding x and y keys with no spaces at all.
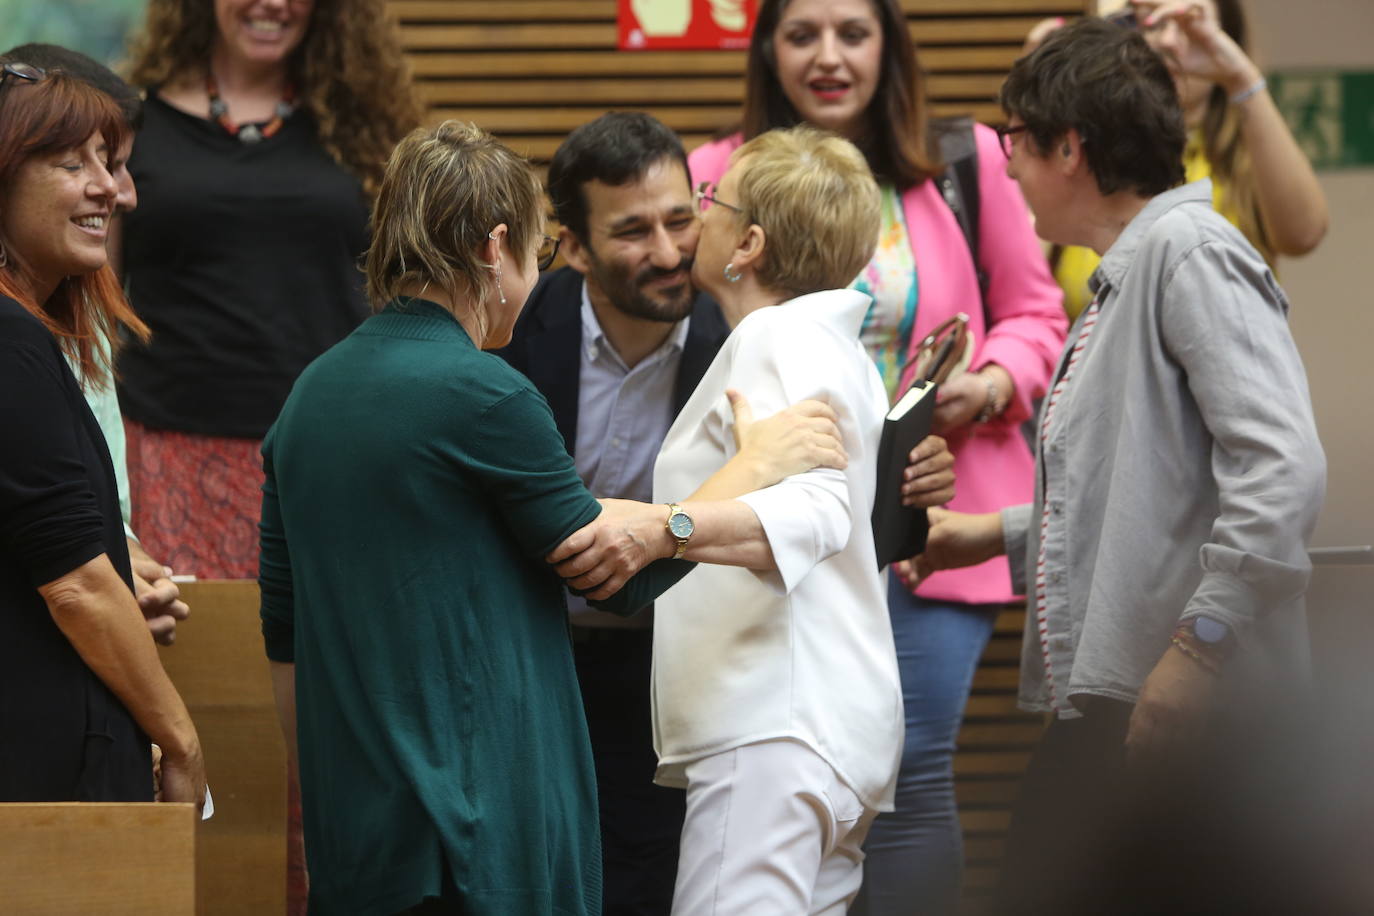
{"x":1179,"y":473}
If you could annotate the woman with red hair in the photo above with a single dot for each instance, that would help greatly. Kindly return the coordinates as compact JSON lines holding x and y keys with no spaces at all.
{"x":72,"y":639}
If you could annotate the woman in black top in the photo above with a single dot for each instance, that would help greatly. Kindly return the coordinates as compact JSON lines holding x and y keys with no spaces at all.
{"x":81,"y":687}
{"x":266,"y":129}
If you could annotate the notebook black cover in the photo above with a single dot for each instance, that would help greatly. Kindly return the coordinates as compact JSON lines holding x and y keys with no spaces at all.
{"x":899,"y":532}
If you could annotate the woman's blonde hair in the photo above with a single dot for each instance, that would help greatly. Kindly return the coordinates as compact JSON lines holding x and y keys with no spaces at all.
{"x":444,"y":190}
{"x":349,"y":73}
{"x":819,"y":207}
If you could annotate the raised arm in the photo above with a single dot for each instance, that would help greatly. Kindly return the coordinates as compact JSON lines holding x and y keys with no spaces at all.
{"x":1291,"y":204}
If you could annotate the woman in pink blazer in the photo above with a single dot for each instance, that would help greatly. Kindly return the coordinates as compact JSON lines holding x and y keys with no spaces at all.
{"x":849,"y":66}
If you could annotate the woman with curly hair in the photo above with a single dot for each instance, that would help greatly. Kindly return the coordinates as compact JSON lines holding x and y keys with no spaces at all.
{"x":267,"y":127}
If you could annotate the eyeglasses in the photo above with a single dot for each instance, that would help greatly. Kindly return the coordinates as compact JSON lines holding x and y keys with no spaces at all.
{"x":548,"y":250}
{"x":705,"y":196}
{"x":27,"y":72}
{"x":1004,"y":135}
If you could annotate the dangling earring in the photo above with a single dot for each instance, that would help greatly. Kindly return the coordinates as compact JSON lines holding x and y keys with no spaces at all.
{"x":732,"y":275}
{"x":4,"y":257}
{"x":497,"y":269}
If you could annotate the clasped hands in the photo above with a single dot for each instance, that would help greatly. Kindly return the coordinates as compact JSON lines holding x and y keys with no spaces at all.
{"x":159,"y":598}
{"x":599,"y":558}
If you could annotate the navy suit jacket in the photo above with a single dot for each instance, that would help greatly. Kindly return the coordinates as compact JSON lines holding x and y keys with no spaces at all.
{"x":547,"y":343}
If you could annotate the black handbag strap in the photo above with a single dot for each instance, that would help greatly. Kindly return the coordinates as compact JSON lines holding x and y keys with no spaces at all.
{"x":959,"y":183}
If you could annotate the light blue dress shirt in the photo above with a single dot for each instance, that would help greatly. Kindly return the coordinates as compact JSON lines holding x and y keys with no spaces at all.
{"x":623,"y":413}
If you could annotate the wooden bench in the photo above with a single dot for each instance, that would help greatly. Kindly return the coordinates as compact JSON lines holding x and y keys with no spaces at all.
{"x":65,"y":858}
{"x":219,"y":667}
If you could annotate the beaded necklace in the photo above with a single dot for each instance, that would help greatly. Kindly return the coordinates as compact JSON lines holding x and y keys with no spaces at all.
{"x":248,"y":133}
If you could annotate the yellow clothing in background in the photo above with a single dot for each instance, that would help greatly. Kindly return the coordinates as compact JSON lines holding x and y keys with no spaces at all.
{"x":1076,"y":265}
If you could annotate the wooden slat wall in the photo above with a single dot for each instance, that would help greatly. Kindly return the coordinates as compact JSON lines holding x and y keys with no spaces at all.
{"x":532,"y":70}
{"x":994,"y":744}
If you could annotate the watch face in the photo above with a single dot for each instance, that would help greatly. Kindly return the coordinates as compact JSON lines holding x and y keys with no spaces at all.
{"x":1210,"y":631}
{"x":680,"y":524}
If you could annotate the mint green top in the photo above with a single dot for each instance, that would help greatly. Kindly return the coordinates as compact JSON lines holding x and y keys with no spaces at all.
{"x":104,"y":403}
{"x":413,"y":486}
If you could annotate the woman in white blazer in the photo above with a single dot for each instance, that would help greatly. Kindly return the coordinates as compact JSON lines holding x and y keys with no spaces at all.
{"x":777,"y":702}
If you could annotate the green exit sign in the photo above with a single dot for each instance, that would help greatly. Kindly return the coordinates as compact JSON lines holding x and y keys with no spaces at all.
{"x":1330,"y":112}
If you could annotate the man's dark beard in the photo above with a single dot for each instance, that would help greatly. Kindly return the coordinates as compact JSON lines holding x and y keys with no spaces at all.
{"x":626,"y":292}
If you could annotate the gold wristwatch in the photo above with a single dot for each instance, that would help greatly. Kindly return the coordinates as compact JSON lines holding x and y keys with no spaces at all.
{"x":680,"y":526}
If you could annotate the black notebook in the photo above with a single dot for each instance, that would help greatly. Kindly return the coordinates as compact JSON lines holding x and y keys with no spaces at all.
{"x":899,"y":532}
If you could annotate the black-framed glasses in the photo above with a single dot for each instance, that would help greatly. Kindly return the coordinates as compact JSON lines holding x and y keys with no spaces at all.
{"x":548,"y":250}
{"x":1004,"y":135}
{"x":27,"y":72}
{"x":705,"y":196}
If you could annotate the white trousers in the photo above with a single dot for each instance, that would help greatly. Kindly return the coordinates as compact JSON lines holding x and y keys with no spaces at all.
{"x":770,"y":831}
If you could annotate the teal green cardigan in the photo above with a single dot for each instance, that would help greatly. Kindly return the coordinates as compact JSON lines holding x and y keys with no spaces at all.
{"x":413,"y":486}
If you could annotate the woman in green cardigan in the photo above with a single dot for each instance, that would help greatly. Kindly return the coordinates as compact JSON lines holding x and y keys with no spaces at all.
{"x":414,"y":486}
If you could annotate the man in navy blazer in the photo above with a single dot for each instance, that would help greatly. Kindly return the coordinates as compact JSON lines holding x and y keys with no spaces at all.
{"x":617,"y":342}
{"x":548,"y":338}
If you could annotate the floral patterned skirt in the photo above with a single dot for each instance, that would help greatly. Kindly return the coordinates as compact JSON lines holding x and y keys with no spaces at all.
{"x":196,"y":504}
{"x":196,"y":500}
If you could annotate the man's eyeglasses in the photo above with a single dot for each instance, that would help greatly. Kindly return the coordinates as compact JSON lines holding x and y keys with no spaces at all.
{"x":705,"y":196}
{"x":1005,"y":134}
{"x":548,"y":250}
{"x":27,"y":72}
